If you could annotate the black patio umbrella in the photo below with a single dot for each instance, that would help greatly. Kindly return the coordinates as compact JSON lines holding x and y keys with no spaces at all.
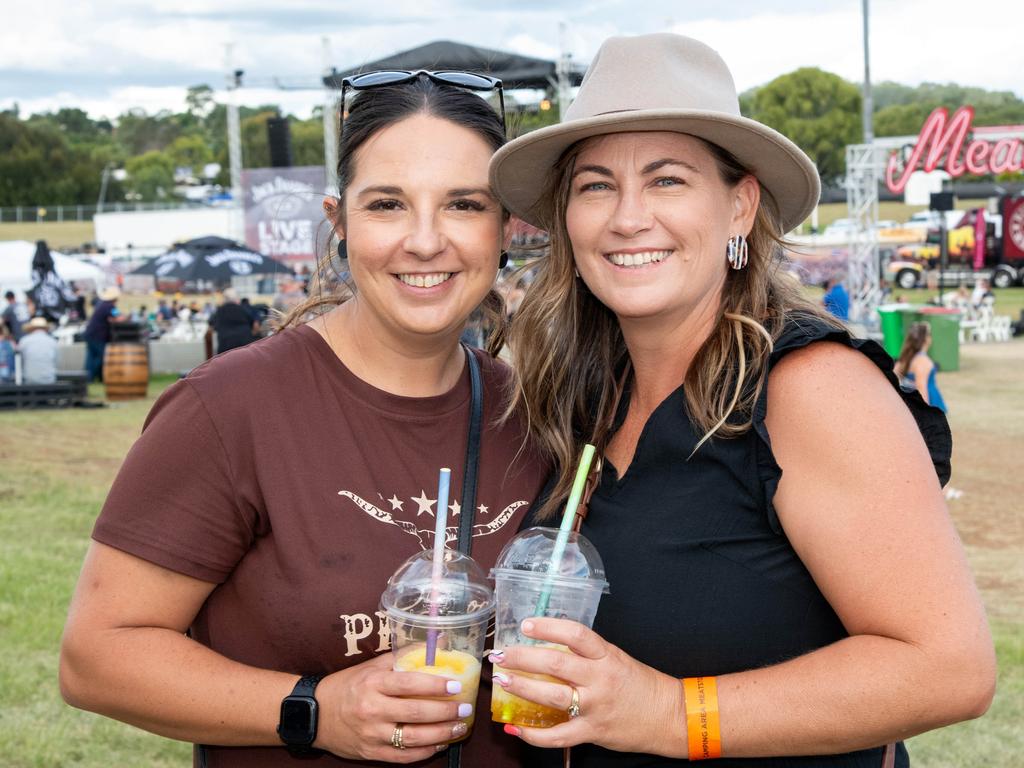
{"x":215,"y":259}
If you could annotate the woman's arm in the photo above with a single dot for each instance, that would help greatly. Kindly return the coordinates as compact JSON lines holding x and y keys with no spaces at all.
{"x":863,"y":509}
{"x":125,"y":655}
{"x":921,"y":366}
{"x":860,"y":503}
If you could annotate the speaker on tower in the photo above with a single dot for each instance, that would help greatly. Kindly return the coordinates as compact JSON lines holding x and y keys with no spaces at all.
{"x":279,"y":137}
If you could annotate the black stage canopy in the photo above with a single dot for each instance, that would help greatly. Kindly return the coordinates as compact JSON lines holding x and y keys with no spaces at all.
{"x":515,"y":71}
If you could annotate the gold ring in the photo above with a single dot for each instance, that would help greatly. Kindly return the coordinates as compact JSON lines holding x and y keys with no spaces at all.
{"x":396,"y":737}
{"x":574,"y":706}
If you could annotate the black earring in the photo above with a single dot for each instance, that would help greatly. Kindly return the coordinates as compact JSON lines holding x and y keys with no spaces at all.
{"x":342,"y":250}
{"x":503,"y":260}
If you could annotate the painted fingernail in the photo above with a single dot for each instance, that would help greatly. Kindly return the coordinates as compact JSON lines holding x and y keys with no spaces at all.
{"x":527,"y":626}
{"x":440,"y":747}
{"x":459,"y":729}
{"x":465,"y":710}
{"x":453,"y":686}
{"x":512,"y":730}
{"x":496,"y":657}
{"x":500,"y":679}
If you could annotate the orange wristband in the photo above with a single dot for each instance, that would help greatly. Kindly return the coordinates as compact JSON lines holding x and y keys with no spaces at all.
{"x":703,"y":728}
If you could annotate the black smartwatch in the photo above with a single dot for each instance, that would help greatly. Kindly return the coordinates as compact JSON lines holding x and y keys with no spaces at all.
{"x":299,"y":717}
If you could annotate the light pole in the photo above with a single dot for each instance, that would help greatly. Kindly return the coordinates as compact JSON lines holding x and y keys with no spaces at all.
{"x":869,"y":131}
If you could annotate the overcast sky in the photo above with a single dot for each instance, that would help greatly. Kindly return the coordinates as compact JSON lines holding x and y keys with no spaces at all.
{"x":107,"y":56}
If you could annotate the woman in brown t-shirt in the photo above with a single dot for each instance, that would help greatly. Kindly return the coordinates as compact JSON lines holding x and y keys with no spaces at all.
{"x":275,"y":489}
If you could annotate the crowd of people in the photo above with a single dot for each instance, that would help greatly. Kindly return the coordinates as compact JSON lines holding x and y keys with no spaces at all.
{"x":747,"y":530}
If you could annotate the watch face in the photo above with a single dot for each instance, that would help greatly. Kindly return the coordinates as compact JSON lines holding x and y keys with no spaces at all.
{"x":298,"y":720}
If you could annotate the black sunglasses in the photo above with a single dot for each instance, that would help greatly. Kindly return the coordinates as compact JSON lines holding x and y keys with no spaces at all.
{"x":387,"y":77}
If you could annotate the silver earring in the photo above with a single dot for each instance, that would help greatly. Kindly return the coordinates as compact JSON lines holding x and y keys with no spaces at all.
{"x":736,"y":251}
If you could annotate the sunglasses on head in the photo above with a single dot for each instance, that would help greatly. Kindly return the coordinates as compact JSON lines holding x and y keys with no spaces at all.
{"x":384,"y":78}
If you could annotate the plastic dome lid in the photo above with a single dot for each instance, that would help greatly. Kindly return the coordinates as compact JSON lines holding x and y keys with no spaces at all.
{"x":463,"y":596}
{"x":528,"y":556}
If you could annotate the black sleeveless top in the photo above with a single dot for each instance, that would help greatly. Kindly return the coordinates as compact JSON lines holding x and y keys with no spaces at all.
{"x":703,"y":579}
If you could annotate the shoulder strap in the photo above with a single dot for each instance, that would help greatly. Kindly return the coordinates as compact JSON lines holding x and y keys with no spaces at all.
{"x":465,"y":541}
{"x":476,"y":417}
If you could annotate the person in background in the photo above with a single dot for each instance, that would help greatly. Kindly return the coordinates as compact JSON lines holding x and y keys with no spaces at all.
{"x":14,"y":315}
{"x":38,"y":351}
{"x":836,"y":300}
{"x":232,"y":323}
{"x":7,"y":364}
{"x":915,"y":369}
{"x":97,"y":331}
{"x":982,"y":290}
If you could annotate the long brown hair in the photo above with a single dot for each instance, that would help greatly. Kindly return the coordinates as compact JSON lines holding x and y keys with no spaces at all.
{"x":370,"y":112}
{"x":571,"y":360}
{"x":917,"y":336}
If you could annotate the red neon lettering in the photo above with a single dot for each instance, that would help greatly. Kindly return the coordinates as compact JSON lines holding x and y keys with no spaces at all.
{"x":1007,"y":162}
{"x":975,"y":156}
{"x":936,"y":133}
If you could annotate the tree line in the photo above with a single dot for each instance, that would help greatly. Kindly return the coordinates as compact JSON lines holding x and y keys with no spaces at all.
{"x":58,"y":158}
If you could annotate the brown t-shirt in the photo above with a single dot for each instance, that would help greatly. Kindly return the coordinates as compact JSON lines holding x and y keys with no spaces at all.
{"x":298,"y":489}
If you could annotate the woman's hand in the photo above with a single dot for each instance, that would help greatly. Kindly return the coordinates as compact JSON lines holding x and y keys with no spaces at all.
{"x":624,"y":705}
{"x":360,"y":708}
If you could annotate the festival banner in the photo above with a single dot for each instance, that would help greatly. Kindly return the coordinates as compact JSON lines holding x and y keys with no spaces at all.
{"x":284,"y":212}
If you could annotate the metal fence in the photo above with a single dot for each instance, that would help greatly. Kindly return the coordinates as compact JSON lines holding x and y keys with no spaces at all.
{"x":41,"y":213}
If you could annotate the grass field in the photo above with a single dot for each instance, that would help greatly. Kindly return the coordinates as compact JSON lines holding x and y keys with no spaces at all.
{"x":57,"y":234}
{"x":56,"y":467}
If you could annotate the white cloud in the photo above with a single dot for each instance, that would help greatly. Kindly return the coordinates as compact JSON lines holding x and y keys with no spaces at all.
{"x":108,"y":56}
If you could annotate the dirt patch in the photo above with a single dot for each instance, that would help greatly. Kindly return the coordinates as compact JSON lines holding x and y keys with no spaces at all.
{"x":987,"y":419}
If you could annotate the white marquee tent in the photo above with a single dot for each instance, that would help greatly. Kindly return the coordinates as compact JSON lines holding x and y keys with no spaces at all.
{"x":16,"y":267}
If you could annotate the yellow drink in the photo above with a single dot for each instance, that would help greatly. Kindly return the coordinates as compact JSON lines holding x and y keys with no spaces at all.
{"x":509,"y":708}
{"x":455,"y":665}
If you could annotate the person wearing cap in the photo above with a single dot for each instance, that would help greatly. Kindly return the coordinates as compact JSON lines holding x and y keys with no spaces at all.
{"x":38,"y":350}
{"x":97,"y":331}
{"x":786,"y":585}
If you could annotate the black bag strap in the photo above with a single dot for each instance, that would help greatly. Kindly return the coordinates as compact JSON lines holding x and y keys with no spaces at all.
{"x":468,"y":510}
{"x":476,"y":417}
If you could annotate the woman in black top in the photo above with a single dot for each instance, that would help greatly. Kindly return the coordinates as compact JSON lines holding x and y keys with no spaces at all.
{"x":768,"y":513}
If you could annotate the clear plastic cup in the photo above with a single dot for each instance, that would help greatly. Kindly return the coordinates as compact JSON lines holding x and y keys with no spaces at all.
{"x":464,"y":603}
{"x":522,"y":574}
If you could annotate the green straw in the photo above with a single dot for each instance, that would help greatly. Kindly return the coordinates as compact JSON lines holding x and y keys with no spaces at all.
{"x":565,"y":529}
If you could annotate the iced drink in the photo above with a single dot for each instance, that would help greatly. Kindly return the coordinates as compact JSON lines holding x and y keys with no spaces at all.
{"x":529,"y":583}
{"x":452,"y":665}
{"x":448,"y":618}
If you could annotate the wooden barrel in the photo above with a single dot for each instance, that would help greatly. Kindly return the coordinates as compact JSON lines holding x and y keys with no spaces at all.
{"x":125,"y":371}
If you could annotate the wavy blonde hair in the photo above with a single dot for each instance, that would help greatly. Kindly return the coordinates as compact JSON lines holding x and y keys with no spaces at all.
{"x":571,"y":361}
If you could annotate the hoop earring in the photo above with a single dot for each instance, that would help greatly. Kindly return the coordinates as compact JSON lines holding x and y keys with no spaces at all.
{"x":736,"y":252}
{"x":342,"y":250}
{"x":503,"y":260}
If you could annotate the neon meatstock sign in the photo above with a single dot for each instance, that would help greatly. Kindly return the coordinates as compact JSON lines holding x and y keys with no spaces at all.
{"x":944,"y":142}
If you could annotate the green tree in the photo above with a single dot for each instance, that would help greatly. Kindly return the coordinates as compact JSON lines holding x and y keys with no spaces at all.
{"x":151,"y":176}
{"x":818,"y":110}
{"x":190,"y":152}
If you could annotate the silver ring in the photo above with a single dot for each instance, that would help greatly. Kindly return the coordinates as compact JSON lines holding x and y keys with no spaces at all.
{"x":396,"y":737}
{"x":574,"y":706}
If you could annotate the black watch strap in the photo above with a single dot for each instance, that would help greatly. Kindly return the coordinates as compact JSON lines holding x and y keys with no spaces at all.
{"x":307,"y":685}
{"x":304,"y":689}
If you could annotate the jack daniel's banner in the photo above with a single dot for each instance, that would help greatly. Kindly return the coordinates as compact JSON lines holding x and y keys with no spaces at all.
{"x":284,"y":212}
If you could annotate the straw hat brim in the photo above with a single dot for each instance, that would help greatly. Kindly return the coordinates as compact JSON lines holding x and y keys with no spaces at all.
{"x":519,"y":170}
{"x":110,"y":294}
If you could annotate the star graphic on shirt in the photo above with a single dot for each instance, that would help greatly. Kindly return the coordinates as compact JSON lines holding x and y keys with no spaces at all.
{"x":482,"y":509}
{"x":396,"y":503}
{"x":455,"y":508}
{"x":424,"y":503}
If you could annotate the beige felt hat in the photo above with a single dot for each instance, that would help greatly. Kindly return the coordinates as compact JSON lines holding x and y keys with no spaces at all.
{"x":37,"y":324}
{"x":659,"y":82}
{"x":113,"y":293}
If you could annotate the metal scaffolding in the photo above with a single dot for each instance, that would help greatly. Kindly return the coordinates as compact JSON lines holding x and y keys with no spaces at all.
{"x":864,"y":166}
